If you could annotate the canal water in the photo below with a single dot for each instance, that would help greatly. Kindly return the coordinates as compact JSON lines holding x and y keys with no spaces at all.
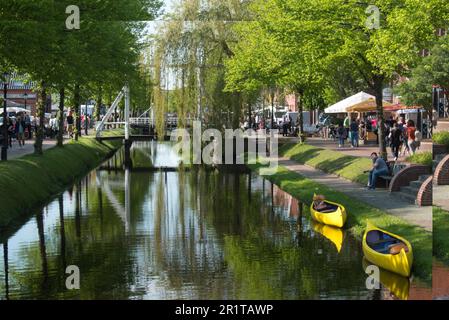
{"x":185,"y":234}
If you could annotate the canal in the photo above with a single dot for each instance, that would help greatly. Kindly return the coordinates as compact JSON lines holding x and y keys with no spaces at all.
{"x":183,"y":234}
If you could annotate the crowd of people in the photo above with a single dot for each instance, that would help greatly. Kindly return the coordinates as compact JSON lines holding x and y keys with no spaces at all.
{"x":22,"y":127}
{"x":401,"y":136}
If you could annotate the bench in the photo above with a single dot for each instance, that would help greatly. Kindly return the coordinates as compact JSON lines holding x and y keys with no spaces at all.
{"x":393,"y":169}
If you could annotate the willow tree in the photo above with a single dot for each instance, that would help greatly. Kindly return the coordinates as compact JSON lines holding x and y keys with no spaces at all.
{"x":196,"y":40}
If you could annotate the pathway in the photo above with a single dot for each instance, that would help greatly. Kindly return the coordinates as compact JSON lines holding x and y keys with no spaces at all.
{"x":441,"y":197}
{"x":381,"y":199}
{"x":16,"y":152}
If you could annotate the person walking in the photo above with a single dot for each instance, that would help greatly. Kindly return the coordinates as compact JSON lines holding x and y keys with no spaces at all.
{"x":70,"y":122}
{"x":354,"y":130}
{"x":342,"y":135}
{"x":405,"y":146}
{"x":411,"y":136}
{"x":27,"y":120}
{"x":20,"y":131}
{"x":380,"y":168}
{"x":11,"y":130}
{"x":395,"y":140}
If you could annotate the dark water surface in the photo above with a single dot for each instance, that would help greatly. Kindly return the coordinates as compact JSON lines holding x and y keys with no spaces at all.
{"x":195,"y":234}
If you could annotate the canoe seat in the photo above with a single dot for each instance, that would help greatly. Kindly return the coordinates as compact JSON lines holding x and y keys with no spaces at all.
{"x":396,"y":248}
{"x":383,"y":243}
{"x":328,"y":209}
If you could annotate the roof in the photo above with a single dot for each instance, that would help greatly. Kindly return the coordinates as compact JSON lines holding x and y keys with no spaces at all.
{"x":360,"y":102}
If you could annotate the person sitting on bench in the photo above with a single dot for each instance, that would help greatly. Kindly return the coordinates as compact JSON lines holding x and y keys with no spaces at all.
{"x":380,"y":168}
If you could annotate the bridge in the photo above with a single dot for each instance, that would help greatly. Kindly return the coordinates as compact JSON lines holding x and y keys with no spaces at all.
{"x":145,"y":122}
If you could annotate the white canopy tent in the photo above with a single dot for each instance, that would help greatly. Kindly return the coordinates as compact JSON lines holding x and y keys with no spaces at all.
{"x":344,"y":105}
{"x":15,"y":109}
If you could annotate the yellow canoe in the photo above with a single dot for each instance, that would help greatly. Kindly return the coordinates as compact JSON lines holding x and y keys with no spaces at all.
{"x":398,"y":285}
{"x":336,"y":218}
{"x":335,"y":235}
{"x":376,"y":247}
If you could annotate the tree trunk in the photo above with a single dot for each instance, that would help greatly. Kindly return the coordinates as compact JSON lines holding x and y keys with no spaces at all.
{"x":250,"y":124}
{"x":237,"y":110}
{"x":61,"y":117}
{"x":299,"y":101}
{"x":272,"y":109}
{"x":40,"y":112}
{"x":98,"y":103}
{"x":76,"y":107}
{"x":378,"y":92}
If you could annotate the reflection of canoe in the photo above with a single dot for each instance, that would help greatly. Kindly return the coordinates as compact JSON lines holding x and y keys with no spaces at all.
{"x":387,"y":250}
{"x":335,"y":235}
{"x":398,"y":285}
{"x":335,"y":217}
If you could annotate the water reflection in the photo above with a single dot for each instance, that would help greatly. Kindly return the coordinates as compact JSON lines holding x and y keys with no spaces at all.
{"x":179,"y":235}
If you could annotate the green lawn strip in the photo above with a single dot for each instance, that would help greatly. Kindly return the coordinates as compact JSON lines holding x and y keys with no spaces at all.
{"x":441,"y":234}
{"x":31,"y":181}
{"x":348,"y":167}
{"x":358,"y":214}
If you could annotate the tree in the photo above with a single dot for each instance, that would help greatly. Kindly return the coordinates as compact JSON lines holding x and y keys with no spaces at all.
{"x":432,"y":70}
{"x":321,"y":32}
{"x":104,"y":50}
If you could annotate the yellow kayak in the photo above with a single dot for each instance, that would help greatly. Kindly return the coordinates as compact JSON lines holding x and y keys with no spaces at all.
{"x":334,"y":216}
{"x":387,"y":250}
{"x":335,"y":235}
{"x":398,"y":285}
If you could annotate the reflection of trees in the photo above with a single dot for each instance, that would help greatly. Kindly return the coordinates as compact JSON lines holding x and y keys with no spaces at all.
{"x":198,"y":234}
{"x":261,"y":251}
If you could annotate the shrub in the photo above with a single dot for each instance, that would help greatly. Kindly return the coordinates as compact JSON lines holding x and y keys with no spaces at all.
{"x":441,"y":138}
{"x":424,"y":158}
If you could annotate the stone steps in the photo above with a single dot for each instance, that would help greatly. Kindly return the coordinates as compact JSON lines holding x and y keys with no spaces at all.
{"x":437,"y":160}
{"x":406,"y":197}
{"x":410,"y":192}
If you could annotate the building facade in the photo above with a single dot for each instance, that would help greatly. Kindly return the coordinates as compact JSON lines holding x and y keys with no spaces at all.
{"x":20,"y":94}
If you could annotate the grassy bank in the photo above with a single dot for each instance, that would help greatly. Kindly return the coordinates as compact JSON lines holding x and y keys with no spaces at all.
{"x":329,"y":161}
{"x":358,"y":214}
{"x":440,"y":234}
{"x":31,"y":181}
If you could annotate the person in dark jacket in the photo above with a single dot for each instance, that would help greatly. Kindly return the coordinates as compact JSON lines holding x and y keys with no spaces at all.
{"x":20,"y":130}
{"x":395,"y":140}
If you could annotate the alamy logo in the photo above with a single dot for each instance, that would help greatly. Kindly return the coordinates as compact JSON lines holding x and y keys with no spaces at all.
{"x":373,"y":21}
{"x":373,"y":280}
{"x":73,"y":280}
{"x":73,"y":20}
{"x":233,"y":148}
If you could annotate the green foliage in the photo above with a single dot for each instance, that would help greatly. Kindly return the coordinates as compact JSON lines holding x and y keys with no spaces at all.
{"x":424,"y":158}
{"x":441,"y":138}
{"x":31,"y":180}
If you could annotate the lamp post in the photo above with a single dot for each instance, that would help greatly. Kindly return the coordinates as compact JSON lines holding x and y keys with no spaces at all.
{"x":4,"y":155}
{"x":86,"y":128}
{"x":25,"y":96}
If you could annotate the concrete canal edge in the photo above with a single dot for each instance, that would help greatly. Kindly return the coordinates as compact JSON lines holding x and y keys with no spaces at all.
{"x":358,"y":214}
{"x":29,"y":182}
